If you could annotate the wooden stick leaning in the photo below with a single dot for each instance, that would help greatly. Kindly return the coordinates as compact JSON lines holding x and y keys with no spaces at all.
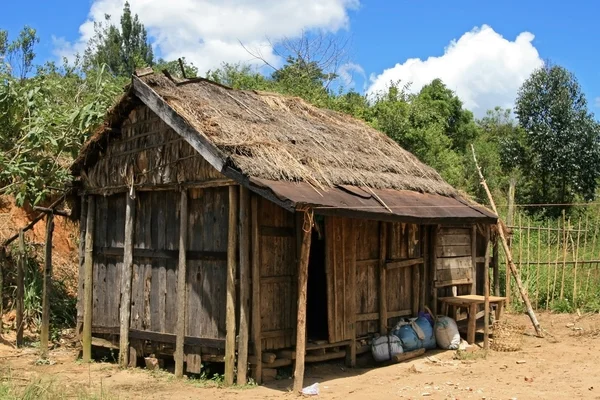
{"x":509,"y":261}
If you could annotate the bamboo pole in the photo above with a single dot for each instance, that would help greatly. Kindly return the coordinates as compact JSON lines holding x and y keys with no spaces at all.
{"x":565,"y":252}
{"x":46,"y":288}
{"x":537,"y":274}
{"x":527,"y":271}
{"x":575,"y":266}
{"x":548,"y":271}
{"x":181,"y":284}
{"x":125,"y":312}
{"x":302,"y":287}
{"x":89,"y":273}
{"x":20,"y":288}
{"x":558,"y":242}
{"x":232,"y":249}
{"x":509,"y":261}
{"x":244,"y":240}
{"x":486,"y":291}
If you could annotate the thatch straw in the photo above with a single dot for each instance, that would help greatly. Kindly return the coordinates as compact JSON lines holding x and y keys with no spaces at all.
{"x":275,"y":137}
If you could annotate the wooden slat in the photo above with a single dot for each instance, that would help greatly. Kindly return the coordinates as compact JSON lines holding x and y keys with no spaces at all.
{"x":256,"y":315}
{"x":403,"y":263}
{"x":474,"y":258}
{"x":125,"y":312}
{"x":89,"y":273}
{"x":277,"y":231}
{"x":400,"y":313}
{"x":181,"y":284}
{"x":454,"y":263}
{"x":232,"y":249}
{"x":244,"y":241}
{"x":434,"y":275}
{"x":383,"y":317}
{"x":453,"y":251}
{"x":350,"y":244}
{"x":191,"y":255}
{"x":454,"y":240}
{"x":276,"y":333}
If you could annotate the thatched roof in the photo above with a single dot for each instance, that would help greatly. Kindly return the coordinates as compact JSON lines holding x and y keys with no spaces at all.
{"x":280,"y":138}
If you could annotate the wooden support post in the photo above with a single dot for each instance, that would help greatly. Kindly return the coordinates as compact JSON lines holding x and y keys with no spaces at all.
{"x":496,"y":268}
{"x":425,"y":253}
{"x":46,"y":288}
{"x":434,"y":291}
{"x":509,"y":261}
{"x":474,"y":258}
{"x":89,"y":273}
{"x":256,"y":315}
{"x":350,"y":245}
{"x":242,"y":365}
{"x":181,"y":283}
{"x":126,"y":279}
{"x":20,"y":288}
{"x":383,"y":329}
{"x":486,"y":291}
{"x":232,"y":249}
{"x":2,"y":262}
{"x":302,"y":287}
{"x":81,"y":272}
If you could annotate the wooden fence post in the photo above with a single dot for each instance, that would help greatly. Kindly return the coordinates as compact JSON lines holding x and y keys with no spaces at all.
{"x":244,"y":232}
{"x":20,"y":288}
{"x":232,"y":249}
{"x":125,"y":313}
{"x":181,"y":283}
{"x":486,"y":291}
{"x":88,"y":285}
{"x":47,"y":287}
{"x":474,"y":258}
{"x":302,"y":287}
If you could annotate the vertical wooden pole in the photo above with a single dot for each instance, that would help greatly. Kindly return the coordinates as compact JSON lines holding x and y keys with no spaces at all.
{"x":548,"y":266}
{"x":350,"y":254}
{"x":46,"y":288}
{"x":511,"y":200}
{"x":232,"y":249}
{"x":81,"y":272}
{"x":126,"y":279}
{"x":539,"y":261}
{"x":242,"y":365}
{"x":558,"y":242}
{"x":585,"y":238}
{"x":496,"y":267}
{"x":474,"y":258}
{"x":425,"y":253}
{"x":382,"y":278}
{"x":89,"y":273}
{"x":20,"y":288}
{"x":434,"y":241}
{"x":576,"y":253}
{"x":486,"y":291}
{"x":256,"y":315}
{"x":302,"y":287}
{"x":567,"y":228}
{"x":2,"y":261}
{"x":181,"y":284}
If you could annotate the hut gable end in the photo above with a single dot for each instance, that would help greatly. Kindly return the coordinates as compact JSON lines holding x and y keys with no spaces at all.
{"x":151,"y":152}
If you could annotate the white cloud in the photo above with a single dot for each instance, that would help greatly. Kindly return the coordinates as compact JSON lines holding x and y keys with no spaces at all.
{"x":348,"y":71}
{"x":209,"y":32}
{"x":483,"y":68}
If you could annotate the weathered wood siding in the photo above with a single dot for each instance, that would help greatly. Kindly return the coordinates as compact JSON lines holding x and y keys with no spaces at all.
{"x":367,"y":244}
{"x":153,"y":151}
{"x":454,"y":263}
{"x":278,"y":275}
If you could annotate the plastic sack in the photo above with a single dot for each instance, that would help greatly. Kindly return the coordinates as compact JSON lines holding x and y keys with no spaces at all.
{"x":312,"y":390}
{"x":446,"y":333}
{"x":384,"y":347}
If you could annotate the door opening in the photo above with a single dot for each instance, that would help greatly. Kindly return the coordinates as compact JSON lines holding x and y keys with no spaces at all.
{"x":316,"y":302}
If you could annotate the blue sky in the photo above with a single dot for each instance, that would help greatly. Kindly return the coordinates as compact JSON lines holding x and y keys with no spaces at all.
{"x":491,"y":56}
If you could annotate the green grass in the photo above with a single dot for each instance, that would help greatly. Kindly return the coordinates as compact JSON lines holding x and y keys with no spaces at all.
{"x":12,"y":388}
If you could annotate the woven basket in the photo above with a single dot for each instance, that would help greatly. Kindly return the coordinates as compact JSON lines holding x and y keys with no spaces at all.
{"x":507,"y":336}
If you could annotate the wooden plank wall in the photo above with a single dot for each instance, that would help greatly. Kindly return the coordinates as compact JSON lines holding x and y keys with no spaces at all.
{"x":278,"y":275}
{"x":153,"y":151}
{"x":454,"y":265}
{"x":403,"y":268}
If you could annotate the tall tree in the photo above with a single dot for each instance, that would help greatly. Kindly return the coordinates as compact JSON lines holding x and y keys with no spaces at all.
{"x":122,"y":50}
{"x":562,"y":134}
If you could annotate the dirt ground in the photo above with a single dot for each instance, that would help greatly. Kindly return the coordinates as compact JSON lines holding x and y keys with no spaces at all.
{"x":564,"y":365}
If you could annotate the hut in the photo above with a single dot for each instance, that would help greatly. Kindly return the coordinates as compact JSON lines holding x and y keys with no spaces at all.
{"x":250,"y":227}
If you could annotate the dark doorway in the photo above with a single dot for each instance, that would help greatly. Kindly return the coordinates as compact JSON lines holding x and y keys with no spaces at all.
{"x":316,"y":302}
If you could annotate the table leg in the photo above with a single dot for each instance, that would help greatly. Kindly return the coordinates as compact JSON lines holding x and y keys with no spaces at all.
{"x":472,"y":323}
{"x":499,"y":309}
{"x":444,"y":308}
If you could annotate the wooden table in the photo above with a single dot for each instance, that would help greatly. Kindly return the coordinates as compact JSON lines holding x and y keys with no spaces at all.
{"x":471,"y":303}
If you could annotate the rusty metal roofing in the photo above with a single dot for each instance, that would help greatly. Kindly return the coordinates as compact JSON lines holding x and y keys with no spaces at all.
{"x":384,"y":204}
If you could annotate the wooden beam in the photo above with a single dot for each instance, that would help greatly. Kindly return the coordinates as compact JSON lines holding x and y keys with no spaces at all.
{"x":52,"y":211}
{"x":256,"y":316}
{"x":191,"y":135}
{"x":302,"y":294}
{"x":350,"y":252}
{"x":89,"y":273}
{"x":163,"y":254}
{"x":474,"y":258}
{"x":425,"y":268}
{"x":46,"y":288}
{"x":81,"y":272}
{"x":383,"y":317}
{"x":434,"y":288}
{"x":496,"y":268}
{"x":151,"y":187}
{"x":232,"y":248}
{"x":20,"y":288}
{"x":181,"y":285}
{"x":403,"y":263}
{"x":486,"y":291}
{"x":127,"y":272}
{"x":244,"y":240}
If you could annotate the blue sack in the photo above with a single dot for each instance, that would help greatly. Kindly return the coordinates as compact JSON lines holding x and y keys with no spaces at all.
{"x":410,"y":339}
